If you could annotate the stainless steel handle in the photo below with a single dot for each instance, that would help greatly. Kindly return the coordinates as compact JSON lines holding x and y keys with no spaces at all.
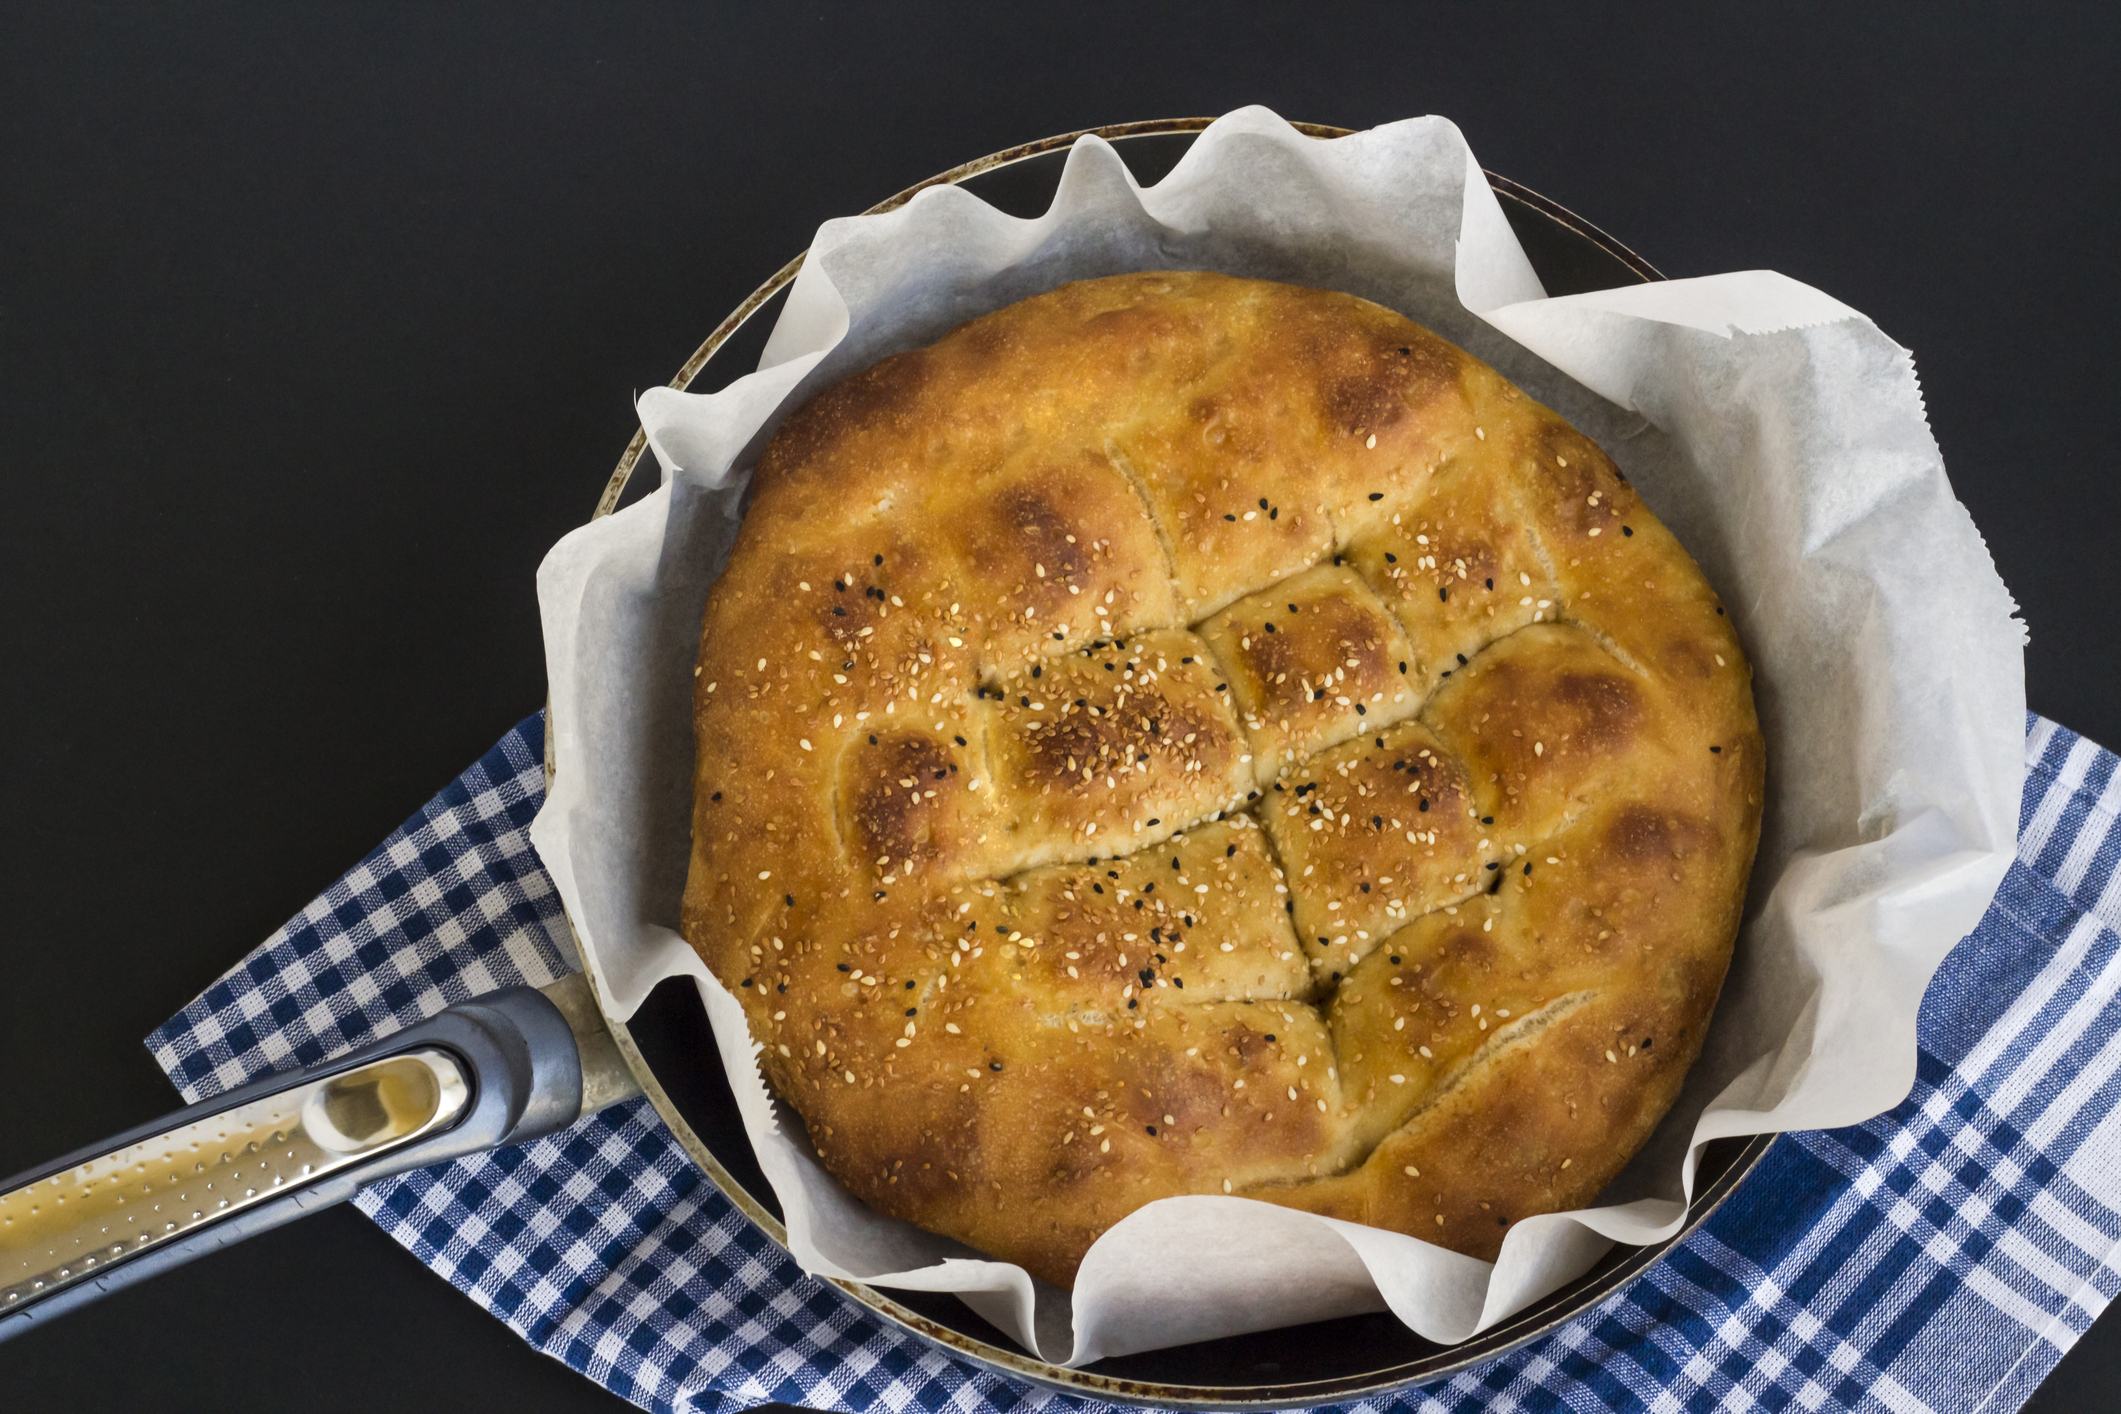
{"x":501,"y":1069}
{"x":63,"y":1229}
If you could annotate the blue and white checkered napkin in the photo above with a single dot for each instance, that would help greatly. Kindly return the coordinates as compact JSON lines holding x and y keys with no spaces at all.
{"x":1941,"y":1257}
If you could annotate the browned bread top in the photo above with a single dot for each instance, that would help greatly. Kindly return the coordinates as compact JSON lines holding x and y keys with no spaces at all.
{"x":1181,"y":734}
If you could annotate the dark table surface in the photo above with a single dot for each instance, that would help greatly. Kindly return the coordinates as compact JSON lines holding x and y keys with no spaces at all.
{"x":318,"y":325}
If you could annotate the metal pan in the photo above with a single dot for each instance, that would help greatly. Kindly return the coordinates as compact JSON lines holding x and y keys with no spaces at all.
{"x":517,"y":1064}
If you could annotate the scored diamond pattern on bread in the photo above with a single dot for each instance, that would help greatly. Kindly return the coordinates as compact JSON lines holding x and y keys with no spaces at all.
{"x":1180,"y":734}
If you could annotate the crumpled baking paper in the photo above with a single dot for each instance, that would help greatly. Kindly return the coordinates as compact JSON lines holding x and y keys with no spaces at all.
{"x":1778,"y":432}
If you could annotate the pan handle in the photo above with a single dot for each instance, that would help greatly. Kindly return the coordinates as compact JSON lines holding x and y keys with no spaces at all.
{"x":501,"y":1069}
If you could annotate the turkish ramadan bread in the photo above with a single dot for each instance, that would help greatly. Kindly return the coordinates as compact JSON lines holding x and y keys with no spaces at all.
{"x":1190,"y":735}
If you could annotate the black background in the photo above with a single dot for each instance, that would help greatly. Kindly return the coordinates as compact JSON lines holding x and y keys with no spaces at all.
{"x":319,"y":325}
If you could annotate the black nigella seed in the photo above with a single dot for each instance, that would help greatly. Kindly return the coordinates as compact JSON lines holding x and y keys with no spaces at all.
{"x":1132,"y":1004}
{"x":1037,"y":671}
{"x":1424,"y":805}
{"x":790,"y":898}
{"x":872,"y":738}
{"x":1461,"y":659}
{"x":1226,"y":853}
{"x":1719,"y":609}
{"x":747,"y":982}
{"x":842,"y":588}
{"x":1717,"y":749}
{"x":1099,"y":887}
{"x":1646,"y":1043}
{"x":1361,"y":711}
{"x":716,"y":796}
{"x":1390,"y":558}
{"x":1289,"y":906}
{"x":1395,"y":960}
{"x":782,"y":988}
{"x":959,"y":740}
{"x":879,"y":559}
{"x":1151,"y":1128}
{"x":1627,"y":530}
{"x":994,"y":1065}
{"x":1402,"y":668}
{"x":1179,"y":982}
{"x":909,"y":987}
{"x":1270,"y":627}
{"x":1270,"y":1034}
{"x":1444,"y":595}
{"x":1528,"y":871}
{"x":838,"y":612}
{"x":844,"y":967}
{"x":1487,"y":819}
{"x":1229,"y":517}
{"x":1274,"y":514}
{"x":1263,"y":503}
{"x":1491,"y":584}
{"x":912,"y":1010}
{"x":1366,"y":887}
{"x":1156,"y":822}
{"x":1377,"y":495}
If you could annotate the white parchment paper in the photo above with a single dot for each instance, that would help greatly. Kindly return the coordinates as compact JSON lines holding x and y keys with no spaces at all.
{"x":1779,"y":433}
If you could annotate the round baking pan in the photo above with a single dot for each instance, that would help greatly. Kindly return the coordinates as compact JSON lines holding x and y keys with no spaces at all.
{"x":670,"y":1050}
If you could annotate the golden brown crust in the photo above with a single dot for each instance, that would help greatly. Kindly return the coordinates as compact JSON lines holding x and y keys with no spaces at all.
{"x":1182,"y":734}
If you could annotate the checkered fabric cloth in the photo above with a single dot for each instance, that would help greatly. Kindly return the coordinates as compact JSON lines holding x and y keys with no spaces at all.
{"x":1941,"y":1257}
